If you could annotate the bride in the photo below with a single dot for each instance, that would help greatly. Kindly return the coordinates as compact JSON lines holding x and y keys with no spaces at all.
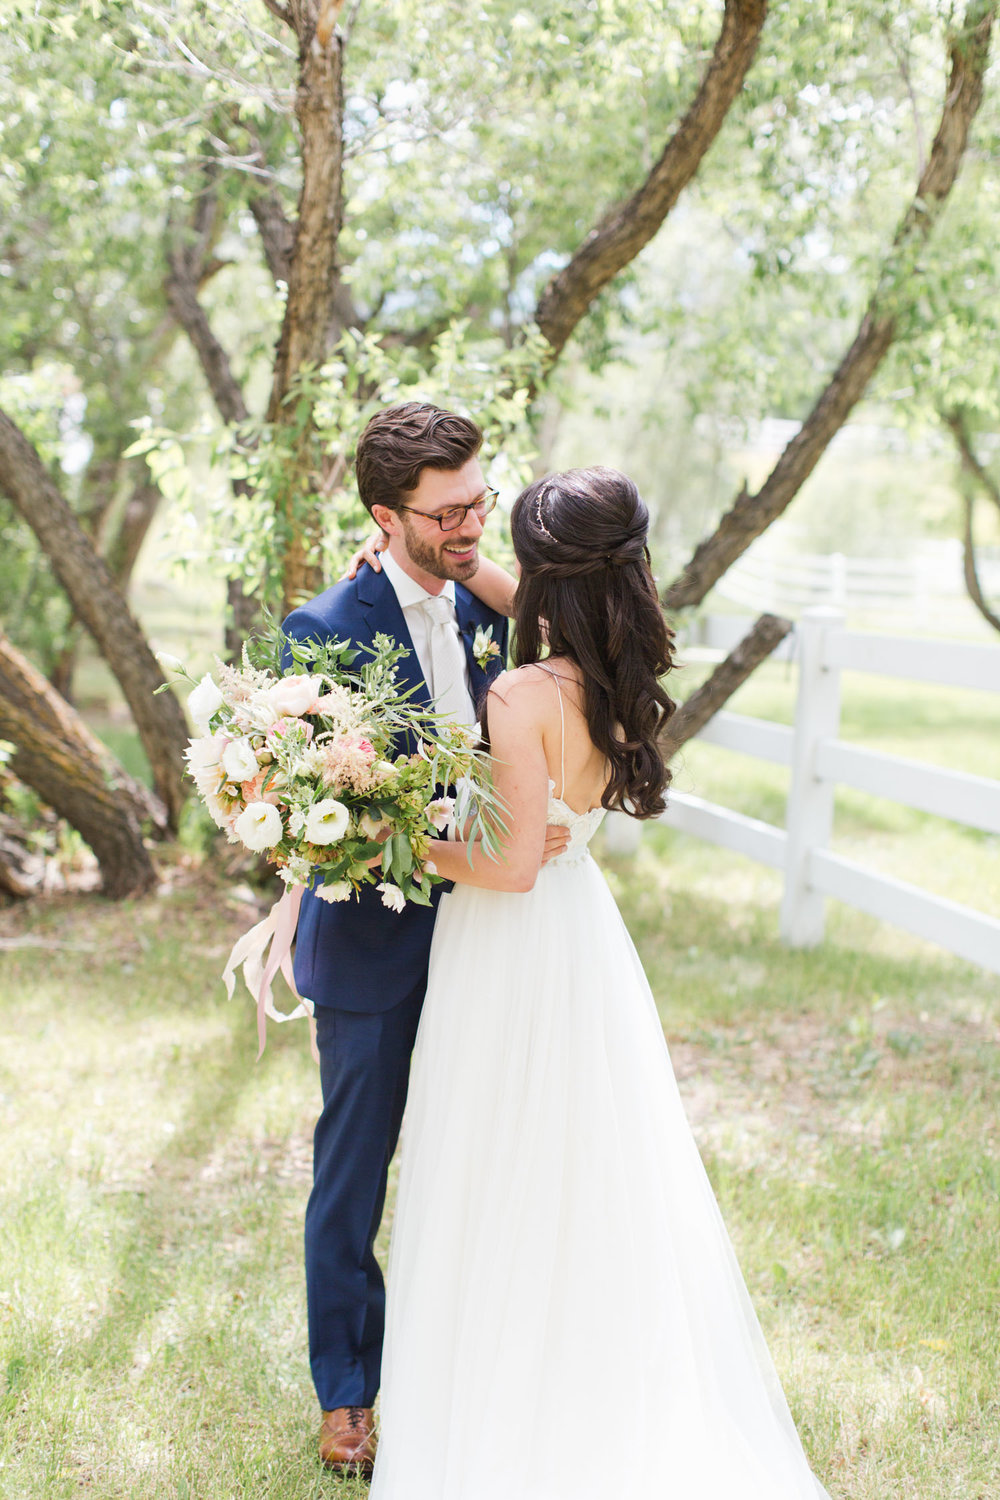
{"x":566,"y":1319}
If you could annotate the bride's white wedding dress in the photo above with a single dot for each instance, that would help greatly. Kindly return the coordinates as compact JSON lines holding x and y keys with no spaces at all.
{"x":566,"y":1318}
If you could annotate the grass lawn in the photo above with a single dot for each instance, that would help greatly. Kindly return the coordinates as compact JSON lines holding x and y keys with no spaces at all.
{"x":153,"y":1177}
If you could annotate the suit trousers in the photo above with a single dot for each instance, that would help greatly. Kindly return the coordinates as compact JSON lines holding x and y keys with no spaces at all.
{"x":364,"y":1071}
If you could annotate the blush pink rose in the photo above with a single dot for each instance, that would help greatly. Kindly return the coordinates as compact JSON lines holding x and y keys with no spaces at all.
{"x":295,"y":695}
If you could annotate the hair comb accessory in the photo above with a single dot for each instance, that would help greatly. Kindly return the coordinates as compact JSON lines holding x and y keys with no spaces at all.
{"x":538,"y":512}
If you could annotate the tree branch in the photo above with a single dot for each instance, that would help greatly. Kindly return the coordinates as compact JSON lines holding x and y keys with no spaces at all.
{"x":122,"y":550}
{"x":752,"y":514}
{"x":970,"y":569}
{"x":95,"y":598}
{"x":187,"y":259}
{"x":977,"y":475}
{"x":705,"y":702}
{"x":956,"y":420}
{"x":282,"y":12}
{"x":622,"y":232}
{"x":277,"y":233}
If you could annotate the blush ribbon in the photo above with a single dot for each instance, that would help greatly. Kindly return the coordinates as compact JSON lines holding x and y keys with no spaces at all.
{"x":277,"y":931}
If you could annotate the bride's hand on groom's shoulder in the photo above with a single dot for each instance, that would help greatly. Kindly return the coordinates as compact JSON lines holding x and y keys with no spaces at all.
{"x":368,"y":553}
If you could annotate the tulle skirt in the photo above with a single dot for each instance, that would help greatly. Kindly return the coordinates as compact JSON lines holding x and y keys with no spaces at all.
{"x":566,"y":1318}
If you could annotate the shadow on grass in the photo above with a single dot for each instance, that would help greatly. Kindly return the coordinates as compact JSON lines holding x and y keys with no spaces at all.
{"x":718,"y":958}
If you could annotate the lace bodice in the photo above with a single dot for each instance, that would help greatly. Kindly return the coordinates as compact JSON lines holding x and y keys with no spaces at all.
{"x":582,"y":827}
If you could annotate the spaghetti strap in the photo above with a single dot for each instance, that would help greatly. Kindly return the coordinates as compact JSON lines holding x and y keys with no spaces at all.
{"x":562,"y":729}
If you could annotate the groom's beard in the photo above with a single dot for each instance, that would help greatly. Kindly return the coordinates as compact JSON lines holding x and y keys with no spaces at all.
{"x":447,"y":558}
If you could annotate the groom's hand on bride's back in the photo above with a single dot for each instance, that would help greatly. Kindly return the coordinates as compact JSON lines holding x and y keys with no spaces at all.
{"x":556,"y":839}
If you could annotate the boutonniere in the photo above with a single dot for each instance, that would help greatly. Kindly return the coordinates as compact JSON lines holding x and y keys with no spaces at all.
{"x":484,"y":646}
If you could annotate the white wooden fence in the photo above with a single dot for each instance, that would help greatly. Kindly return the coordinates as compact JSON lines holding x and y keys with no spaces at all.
{"x":903,"y":586}
{"x":819,"y":762}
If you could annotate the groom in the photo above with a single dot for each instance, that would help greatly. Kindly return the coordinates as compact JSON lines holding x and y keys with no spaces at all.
{"x":363,"y":966}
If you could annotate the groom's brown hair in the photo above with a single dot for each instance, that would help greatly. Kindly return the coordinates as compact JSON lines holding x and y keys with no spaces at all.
{"x":401,"y":441}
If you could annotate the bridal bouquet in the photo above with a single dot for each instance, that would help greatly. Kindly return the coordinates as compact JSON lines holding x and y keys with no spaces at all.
{"x":303,"y":765}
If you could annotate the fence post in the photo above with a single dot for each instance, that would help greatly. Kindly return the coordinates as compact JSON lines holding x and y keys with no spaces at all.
{"x":838,"y":580}
{"x":809,"y":820}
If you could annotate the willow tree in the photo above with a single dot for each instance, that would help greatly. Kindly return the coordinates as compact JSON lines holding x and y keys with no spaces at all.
{"x":451,"y":199}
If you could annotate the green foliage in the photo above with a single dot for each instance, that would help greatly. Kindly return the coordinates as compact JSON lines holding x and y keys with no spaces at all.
{"x":481,"y":145}
{"x":278,"y":473}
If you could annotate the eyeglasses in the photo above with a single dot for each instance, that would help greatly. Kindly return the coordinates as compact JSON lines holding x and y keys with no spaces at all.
{"x":452,"y":518}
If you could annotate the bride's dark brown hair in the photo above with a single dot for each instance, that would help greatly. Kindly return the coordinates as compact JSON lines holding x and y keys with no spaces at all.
{"x":580,"y":538}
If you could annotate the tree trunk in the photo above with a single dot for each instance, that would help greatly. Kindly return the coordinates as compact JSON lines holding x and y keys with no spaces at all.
{"x":706,"y":701}
{"x":313,"y":272}
{"x":57,"y":756}
{"x":85,"y":576}
{"x":23,"y":685}
{"x":753,"y":514}
{"x":622,"y":232}
{"x":21,"y":870}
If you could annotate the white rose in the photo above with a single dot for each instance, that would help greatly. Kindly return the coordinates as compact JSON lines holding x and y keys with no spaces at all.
{"x":294,"y":696}
{"x":204,"y":701}
{"x":169,"y":663}
{"x":392,"y":897}
{"x":239,"y":761}
{"x":337,"y":890}
{"x":259,"y":826}
{"x":326,"y":821}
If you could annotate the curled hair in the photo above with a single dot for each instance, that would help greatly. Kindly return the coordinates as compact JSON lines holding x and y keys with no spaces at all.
{"x":399,"y":442}
{"x":586,"y":591}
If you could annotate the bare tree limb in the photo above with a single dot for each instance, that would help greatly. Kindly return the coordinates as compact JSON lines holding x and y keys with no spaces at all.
{"x":622,"y":232}
{"x":752,"y":514}
{"x":705,"y":702}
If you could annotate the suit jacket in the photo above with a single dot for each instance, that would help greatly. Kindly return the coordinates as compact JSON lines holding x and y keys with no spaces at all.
{"x":357,"y":955}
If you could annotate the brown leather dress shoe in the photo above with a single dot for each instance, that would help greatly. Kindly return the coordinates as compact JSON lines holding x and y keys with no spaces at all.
{"x":347,"y":1440}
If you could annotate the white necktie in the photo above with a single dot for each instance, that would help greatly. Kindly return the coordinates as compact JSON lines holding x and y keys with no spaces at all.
{"x":448,"y":665}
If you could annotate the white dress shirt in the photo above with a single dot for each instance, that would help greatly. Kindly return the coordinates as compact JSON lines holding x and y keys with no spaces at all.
{"x":411,"y":596}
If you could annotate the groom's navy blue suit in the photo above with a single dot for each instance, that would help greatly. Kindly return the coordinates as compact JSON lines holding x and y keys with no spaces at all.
{"x":365,"y":969}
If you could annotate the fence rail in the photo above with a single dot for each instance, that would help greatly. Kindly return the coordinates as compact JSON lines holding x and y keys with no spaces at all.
{"x":819,"y":762}
{"x":763,"y":580}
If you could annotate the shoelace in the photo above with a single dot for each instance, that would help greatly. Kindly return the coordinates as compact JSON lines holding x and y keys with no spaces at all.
{"x":355,"y":1418}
